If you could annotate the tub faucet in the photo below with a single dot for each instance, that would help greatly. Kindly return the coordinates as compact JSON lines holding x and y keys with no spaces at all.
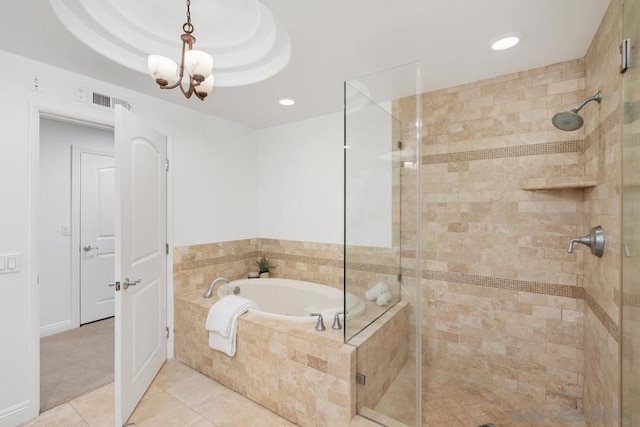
{"x":320,"y":324}
{"x":336,"y":321}
{"x":209,"y":291}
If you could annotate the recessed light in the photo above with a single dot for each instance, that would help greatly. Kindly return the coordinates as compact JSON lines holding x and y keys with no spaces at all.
{"x":506,"y":41}
{"x":287,"y":102}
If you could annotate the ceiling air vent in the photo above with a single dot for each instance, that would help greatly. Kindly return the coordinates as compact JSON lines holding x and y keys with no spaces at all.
{"x":107,"y":102}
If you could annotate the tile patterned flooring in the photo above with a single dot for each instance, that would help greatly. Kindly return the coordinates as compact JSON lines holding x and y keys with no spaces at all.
{"x":178,"y":396}
{"x":455,"y":401}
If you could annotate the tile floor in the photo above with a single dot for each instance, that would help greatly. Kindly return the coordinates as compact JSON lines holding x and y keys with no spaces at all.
{"x":178,"y":396}
{"x":455,"y":401}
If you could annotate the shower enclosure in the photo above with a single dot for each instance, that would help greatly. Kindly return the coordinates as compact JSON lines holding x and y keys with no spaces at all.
{"x":381,"y":254}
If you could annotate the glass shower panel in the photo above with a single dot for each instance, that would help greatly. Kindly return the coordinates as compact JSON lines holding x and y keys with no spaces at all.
{"x":372,"y":208}
{"x":382,"y":163}
{"x":631,"y":220}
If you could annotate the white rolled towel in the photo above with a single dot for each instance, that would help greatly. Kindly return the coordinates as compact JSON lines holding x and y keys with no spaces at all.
{"x":377,"y":290}
{"x":383,"y":299}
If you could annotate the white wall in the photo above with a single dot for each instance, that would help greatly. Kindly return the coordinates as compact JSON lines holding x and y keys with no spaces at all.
{"x":204,"y":211}
{"x":54,"y":249}
{"x":301,"y":179}
{"x":302,"y":175}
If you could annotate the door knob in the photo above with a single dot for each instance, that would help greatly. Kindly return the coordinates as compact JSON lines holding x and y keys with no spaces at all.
{"x":126,"y":282}
{"x":88,"y":248}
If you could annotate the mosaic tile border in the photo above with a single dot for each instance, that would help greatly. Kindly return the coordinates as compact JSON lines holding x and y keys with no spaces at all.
{"x":325,"y":262}
{"x":207,"y":262}
{"x":631,"y":140}
{"x":556,"y":147}
{"x":608,"y":124}
{"x":631,"y":300}
{"x":576,"y":292}
{"x":612,"y":327}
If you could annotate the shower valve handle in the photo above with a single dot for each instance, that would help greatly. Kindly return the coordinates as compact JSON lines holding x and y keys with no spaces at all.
{"x":594,"y":240}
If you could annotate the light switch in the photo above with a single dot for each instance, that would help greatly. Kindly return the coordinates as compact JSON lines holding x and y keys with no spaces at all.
{"x":9,"y":263}
{"x":66,"y":230}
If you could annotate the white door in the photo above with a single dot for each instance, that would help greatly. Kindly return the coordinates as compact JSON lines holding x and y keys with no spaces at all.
{"x":97,"y":235}
{"x":141,"y":345}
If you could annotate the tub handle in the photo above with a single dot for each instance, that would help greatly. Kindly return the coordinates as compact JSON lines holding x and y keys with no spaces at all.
{"x":336,"y":321}
{"x":320,"y":324}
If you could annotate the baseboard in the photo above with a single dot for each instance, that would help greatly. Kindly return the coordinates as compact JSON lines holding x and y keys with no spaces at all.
{"x":55,"y":328}
{"x":17,"y":414}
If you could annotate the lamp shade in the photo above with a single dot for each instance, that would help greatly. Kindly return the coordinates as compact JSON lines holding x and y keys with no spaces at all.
{"x":197,"y":62}
{"x":206,"y":86}
{"x":162,"y":68}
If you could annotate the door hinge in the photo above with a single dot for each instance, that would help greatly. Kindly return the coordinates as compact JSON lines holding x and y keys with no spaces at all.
{"x":360,"y":379}
{"x":624,"y":51}
{"x":167,"y":248}
{"x":167,"y":329}
{"x":167,"y":164}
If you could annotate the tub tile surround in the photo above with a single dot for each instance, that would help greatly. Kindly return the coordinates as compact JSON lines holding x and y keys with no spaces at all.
{"x":303,"y":375}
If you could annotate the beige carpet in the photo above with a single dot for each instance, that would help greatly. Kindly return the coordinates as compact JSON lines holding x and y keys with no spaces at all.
{"x":76,"y":362}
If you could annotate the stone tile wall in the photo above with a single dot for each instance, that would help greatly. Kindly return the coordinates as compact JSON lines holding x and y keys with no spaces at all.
{"x":382,"y":350}
{"x":602,"y":276}
{"x":303,"y":375}
{"x":504,"y":301}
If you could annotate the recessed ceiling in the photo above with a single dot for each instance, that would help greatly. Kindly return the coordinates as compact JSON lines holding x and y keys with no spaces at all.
{"x":331,"y":41}
{"x":248,"y":43}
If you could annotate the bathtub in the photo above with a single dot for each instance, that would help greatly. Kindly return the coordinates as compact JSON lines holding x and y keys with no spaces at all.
{"x":293,"y":300}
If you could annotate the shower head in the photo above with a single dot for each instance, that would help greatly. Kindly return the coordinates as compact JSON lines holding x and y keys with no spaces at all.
{"x":571,"y":120}
{"x":567,"y":120}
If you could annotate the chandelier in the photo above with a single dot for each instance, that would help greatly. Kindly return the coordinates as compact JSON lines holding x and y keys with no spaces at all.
{"x":197,"y":64}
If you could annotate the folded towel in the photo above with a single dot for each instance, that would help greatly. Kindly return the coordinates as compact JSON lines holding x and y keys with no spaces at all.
{"x":383,"y":299}
{"x":222,"y":322}
{"x":377,"y":289}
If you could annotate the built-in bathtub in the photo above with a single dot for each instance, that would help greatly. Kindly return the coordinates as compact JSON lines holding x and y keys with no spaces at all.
{"x":294,"y":300}
{"x":281,"y":361}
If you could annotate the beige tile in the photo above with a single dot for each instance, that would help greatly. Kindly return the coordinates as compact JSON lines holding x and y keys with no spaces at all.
{"x":197,"y":390}
{"x":171,"y":374}
{"x":97,"y":407}
{"x":162,"y":409}
{"x":199,"y":422}
{"x":235,"y":410}
{"x":60,"y":416}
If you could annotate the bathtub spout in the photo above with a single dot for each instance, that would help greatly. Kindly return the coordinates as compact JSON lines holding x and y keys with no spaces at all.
{"x":209,"y":291}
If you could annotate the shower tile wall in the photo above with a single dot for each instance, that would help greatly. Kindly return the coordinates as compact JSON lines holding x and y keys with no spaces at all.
{"x":503,"y":302}
{"x":631,"y":231}
{"x":503,"y":305}
{"x":603,"y":127}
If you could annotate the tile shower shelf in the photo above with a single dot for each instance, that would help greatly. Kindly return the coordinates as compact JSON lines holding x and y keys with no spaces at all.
{"x":535,"y":185}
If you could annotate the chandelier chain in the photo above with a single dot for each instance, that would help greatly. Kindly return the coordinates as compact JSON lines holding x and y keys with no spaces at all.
{"x":188,"y":27}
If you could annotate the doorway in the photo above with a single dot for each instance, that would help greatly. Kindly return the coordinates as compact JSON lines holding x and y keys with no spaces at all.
{"x":76,"y":259}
